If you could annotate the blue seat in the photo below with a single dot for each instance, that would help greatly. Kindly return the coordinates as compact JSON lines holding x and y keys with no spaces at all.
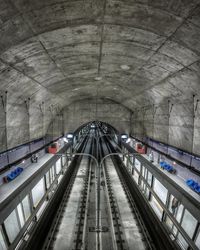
{"x":13,"y":174}
{"x":21,"y":170}
{"x":18,"y":171}
{"x":163,"y":164}
{"x":192,"y":184}
{"x":189,"y":182}
{"x":169,"y":168}
{"x":197,"y":189}
{"x":166,"y":166}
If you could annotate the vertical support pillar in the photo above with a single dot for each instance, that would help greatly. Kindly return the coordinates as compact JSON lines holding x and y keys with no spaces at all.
{"x":63,"y":122}
{"x":53,"y":123}
{"x":4,"y":105}
{"x":170,"y":106}
{"x":42,"y":110}
{"x":136,"y":123}
{"x":143,"y":127}
{"x":153,"y":122}
{"x":133,"y":125}
{"x":195,"y":104}
{"x":131,"y":116}
{"x":51,"y":111}
{"x":27,"y":104}
{"x":123,"y":152}
{"x":58,"y":121}
{"x":127,"y":161}
{"x":133,"y":166}
{"x":6,"y":238}
{"x":153,"y":119}
{"x":142,"y":122}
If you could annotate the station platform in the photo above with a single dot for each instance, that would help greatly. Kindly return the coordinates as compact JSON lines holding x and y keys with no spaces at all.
{"x":9,"y":188}
{"x":177,"y":179}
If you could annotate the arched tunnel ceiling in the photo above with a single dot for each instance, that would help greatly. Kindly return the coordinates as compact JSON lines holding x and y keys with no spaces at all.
{"x":52,"y":50}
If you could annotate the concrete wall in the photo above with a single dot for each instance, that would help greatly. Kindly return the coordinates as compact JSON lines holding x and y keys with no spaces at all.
{"x":177,"y":125}
{"x":180,"y":128}
{"x":21,"y":123}
{"x":84,"y":111}
{"x":17,"y":125}
{"x":24,"y":124}
{"x":14,"y":123}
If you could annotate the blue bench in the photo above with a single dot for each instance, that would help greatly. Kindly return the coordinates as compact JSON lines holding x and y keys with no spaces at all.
{"x":193,"y":185}
{"x":164,"y":165}
{"x":13,"y":174}
{"x":197,"y":189}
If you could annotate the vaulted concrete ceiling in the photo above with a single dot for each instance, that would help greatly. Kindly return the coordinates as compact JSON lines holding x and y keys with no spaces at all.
{"x":52,"y":50}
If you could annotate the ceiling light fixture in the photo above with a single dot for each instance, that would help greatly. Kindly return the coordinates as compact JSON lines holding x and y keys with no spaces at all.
{"x":124,"y":67}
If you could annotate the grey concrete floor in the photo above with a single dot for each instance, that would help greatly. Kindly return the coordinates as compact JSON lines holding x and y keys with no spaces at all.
{"x":131,"y":230}
{"x":66,"y":230}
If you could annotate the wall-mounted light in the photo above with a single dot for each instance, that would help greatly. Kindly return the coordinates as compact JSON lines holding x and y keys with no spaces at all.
{"x":70,"y":136}
{"x":124,"y":136}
